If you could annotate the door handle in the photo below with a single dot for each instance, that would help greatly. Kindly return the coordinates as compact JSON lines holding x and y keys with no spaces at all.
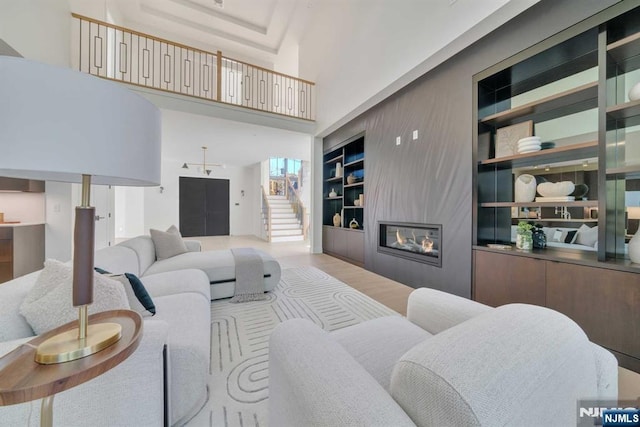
{"x":98,"y":217}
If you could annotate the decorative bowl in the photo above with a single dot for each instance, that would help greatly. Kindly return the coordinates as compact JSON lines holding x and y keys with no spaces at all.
{"x":556,"y":189}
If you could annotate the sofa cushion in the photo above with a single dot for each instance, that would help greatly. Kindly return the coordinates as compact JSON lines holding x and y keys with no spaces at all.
{"x":49,"y":303}
{"x":13,"y":325}
{"x":517,"y":367}
{"x":144,"y":249}
{"x":378,"y":344}
{"x":168,"y":243}
{"x":587,"y":236}
{"x":117,"y":260}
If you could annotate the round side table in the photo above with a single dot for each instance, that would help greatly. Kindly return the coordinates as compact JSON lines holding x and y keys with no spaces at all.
{"x":22,"y":379}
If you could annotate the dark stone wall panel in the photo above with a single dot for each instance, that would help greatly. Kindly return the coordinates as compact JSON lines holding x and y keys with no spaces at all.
{"x":430,"y":180}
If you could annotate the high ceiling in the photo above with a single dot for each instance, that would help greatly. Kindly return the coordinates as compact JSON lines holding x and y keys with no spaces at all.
{"x":248,"y":29}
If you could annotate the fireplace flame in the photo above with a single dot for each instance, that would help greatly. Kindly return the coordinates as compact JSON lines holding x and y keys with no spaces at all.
{"x":400,"y":238}
{"x":427,"y":245}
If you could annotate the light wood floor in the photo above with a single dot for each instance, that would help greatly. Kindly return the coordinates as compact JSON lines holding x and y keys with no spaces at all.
{"x":386,"y":291}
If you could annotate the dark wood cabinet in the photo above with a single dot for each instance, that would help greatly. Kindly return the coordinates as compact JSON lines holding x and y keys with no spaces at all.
{"x":502,"y":279}
{"x":603,"y":302}
{"x":345,"y":244}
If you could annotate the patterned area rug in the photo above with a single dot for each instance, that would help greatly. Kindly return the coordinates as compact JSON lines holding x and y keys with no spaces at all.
{"x":238,"y":387}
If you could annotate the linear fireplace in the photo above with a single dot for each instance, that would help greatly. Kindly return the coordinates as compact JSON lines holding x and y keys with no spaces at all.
{"x":417,"y":242}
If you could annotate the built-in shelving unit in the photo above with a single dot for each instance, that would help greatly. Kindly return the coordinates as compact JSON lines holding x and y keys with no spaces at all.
{"x":547,"y":84}
{"x":344,"y":173}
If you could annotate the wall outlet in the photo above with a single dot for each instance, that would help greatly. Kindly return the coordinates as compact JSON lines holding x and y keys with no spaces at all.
{"x":415,"y":134}
{"x":398,"y":140}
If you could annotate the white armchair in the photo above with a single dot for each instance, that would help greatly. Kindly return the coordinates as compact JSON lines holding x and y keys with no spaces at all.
{"x":452,"y":362}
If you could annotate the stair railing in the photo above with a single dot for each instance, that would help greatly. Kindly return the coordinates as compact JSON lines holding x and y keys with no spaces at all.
{"x":296,"y":203}
{"x":266,"y":212}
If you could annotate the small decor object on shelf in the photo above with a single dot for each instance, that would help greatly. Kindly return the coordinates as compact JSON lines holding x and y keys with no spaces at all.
{"x":333,"y":193}
{"x":337,"y":219}
{"x":356,"y":202}
{"x":507,"y":138}
{"x":524,"y":236}
{"x":539,"y":238}
{"x":354,"y":224}
{"x":351,"y":179}
{"x":580,"y":191}
{"x":634,"y":93}
{"x":529,"y":144}
{"x":361,"y":198}
{"x":556,"y":189}
{"x":525,"y":188}
{"x":338,"y":170}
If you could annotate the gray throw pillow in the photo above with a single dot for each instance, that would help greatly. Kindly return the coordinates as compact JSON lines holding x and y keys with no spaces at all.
{"x":587,"y":236}
{"x":168,"y":243}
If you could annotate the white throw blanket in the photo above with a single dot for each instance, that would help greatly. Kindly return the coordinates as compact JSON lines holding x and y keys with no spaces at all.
{"x":249,"y":275}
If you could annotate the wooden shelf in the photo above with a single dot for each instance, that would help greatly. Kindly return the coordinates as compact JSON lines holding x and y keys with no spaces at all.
{"x":353,"y":207}
{"x":334,"y":160}
{"x":552,"y":155}
{"x":624,"y":111}
{"x":334,"y":179}
{"x":632,"y":171}
{"x":556,"y":220}
{"x":333,"y":198}
{"x":355,"y":162}
{"x":624,"y":49}
{"x":578,"y":203}
{"x":561,"y":104}
{"x":355,"y":184}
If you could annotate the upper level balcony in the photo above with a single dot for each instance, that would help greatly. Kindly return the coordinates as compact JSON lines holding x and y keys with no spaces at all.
{"x":131,"y":57}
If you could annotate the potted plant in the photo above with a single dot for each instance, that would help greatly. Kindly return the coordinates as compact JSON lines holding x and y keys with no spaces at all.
{"x":524,"y":236}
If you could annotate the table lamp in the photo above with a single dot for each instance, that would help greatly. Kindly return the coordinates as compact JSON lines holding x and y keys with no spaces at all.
{"x":57,"y":124}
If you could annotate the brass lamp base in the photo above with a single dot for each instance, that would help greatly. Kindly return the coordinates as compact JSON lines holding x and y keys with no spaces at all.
{"x":66,"y":346}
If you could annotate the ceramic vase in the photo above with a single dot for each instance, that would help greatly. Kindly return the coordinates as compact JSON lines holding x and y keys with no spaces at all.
{"x":338,"y":170}
{"x":525,"y":188}
{"x":634,"y":93}
{"x":524,"y":241}
{"x":336,"y":220}
{"x":332,"y":193}
{"x":354,"y":223}
{"x":634,"y":248}
{"x":361,"y":198}
{"x":351,"y":179}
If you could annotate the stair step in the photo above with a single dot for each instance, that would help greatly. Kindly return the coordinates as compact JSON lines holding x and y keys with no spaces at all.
{"x":286,"y":226}
{"x":282,"y":215}
{"x":276,"y":239}
{"x":288,"y":232}
{"x":281,"y":209}
{"x":275,"y":221}
{"x":279,"y":202}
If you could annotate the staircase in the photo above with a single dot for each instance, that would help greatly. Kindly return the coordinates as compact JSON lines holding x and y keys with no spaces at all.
{"x":285,"y":227}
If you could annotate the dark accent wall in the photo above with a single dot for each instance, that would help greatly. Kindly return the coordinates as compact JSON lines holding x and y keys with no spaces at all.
{"x":430,"y":180}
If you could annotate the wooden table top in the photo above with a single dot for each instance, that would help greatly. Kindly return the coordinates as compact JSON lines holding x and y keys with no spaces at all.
{"x":22,"y":379}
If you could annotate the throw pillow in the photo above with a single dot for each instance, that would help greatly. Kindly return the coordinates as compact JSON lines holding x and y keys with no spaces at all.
{"x":587,"y":236}
{"x":571,"y":236}
{"x":168,"y":243}
{"x":49,"y":303}
{"x":559,"y":235}
{"x":139,"y":298}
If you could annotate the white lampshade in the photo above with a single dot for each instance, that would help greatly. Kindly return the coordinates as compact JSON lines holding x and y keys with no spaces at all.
{"x":58,"y":124}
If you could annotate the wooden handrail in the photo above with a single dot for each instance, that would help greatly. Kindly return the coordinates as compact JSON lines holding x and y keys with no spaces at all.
{"x":271,"y":71}
{"x":265,"y":200}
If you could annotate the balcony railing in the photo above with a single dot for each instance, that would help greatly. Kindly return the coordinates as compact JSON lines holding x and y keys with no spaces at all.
{"x":128,"y":56}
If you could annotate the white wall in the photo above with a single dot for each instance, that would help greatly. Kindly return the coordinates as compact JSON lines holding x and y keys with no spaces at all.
{"x":40,"y":30}
{"x":353,"y":50}
{"x":129,"y":212}
{"x":240,"y":146}
{"x":23,"y":207}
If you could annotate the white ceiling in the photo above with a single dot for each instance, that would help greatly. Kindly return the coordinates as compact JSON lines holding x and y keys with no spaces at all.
{"x":244,"y":29}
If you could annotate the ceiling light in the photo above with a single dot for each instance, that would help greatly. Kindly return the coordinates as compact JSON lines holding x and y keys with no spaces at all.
{"x":204,"y":166}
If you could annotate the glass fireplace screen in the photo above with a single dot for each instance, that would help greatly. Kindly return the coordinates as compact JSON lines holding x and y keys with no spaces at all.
{"x":418,"y":242}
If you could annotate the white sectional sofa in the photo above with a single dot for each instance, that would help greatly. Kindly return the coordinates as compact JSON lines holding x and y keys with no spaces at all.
{"x":451,"y":362}
{"x":218,"y":265}
{"x":133,"y":393}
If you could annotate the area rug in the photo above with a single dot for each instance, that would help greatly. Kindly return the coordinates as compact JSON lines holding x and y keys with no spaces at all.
{"x":238,"y":386}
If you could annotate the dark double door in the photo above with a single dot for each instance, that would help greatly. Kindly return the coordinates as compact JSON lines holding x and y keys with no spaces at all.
{"x":204,"y":207}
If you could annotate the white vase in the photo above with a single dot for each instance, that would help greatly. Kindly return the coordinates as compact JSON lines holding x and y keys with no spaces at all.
{"x":634,"y":248}
{"x":338,"y":170}
{"x":525,"y":188}
{"x":634,"y":93}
